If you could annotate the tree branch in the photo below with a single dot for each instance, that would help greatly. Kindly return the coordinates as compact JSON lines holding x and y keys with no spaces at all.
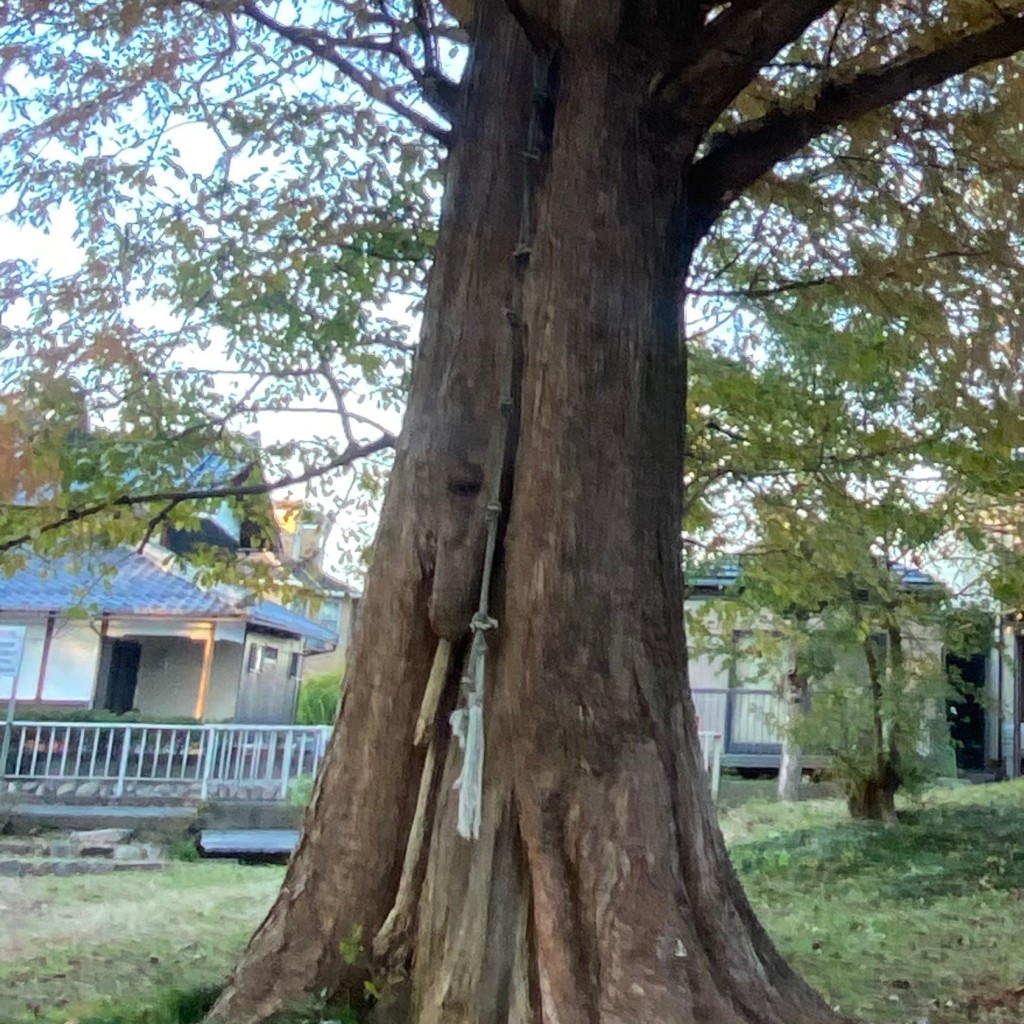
{"x":326,"y":47}
{"x":767,"y":291}
{"x":726,"y":57}
{"x":736,"y":160}
{"x":83,"y":512}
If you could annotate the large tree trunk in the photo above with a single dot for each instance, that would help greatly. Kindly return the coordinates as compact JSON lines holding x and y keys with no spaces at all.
{"x":599,"y":890}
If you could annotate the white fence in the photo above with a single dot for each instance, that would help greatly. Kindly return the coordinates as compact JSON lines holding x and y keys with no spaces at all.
{"x":247,"y":759}
{"x":749,"y":721}
{"x":259,"y":761}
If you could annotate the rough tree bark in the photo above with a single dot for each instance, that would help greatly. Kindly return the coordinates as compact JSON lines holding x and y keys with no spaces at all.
{"x":423,"y":583}
{"x":600,"y":890}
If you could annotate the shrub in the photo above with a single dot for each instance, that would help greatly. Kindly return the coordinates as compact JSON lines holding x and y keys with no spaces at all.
{"x":55,"y":714}
{"x":319,"y":697}
{"x":184,"y":850}
{"x":176,"y":1007}
{"x":300,"y":792}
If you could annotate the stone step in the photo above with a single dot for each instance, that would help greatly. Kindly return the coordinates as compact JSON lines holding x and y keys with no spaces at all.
{"x":21,"y":867}
{"x":71,"y":848}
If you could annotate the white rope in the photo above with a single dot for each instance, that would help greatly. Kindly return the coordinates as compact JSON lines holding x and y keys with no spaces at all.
{"x":468,"y":727}
{"x":467,"y":721}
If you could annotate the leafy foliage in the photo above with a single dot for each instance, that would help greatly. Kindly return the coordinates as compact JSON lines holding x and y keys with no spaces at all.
{"x":319,"y":697}
{"x":250,"y":232}
{"x":251,"y":192}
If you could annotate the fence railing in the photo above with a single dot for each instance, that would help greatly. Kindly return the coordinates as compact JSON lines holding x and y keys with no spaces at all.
{"x":193,"y":758}
{"x":749,"y":720}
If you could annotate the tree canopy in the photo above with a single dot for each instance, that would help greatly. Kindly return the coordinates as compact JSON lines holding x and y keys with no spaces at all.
{"x":251,"y":192}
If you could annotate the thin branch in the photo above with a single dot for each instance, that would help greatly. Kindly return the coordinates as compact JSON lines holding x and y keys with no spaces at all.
{"x":326,"y":47}
{"x":161,"y":517}
{"x":339,"y":394}
{"x":736,"y":159}
{"x":83,"y":512}
{"x":782,"y":287}
{"x":423,"y":22}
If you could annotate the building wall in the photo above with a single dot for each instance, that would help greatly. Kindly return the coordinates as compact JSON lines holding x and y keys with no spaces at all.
{"x":28,"y":677}
{"x":224,"y":682}
{"x":342,"y":621}
{"x":170,"y":668}
{"x":169,"y":675}
{"x":70,"y":664}
{"x":269,"y":688}
{"x":730,"y":651}
{"x":169,"y":671}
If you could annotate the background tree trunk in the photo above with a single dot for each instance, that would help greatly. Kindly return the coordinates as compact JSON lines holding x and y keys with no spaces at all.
{"x":792,"y":763}
{"x":873,"y":797}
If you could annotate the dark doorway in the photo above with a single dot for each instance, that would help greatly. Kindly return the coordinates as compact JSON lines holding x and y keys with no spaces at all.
{"x":966,"y":710}
{"x":123,"y":675}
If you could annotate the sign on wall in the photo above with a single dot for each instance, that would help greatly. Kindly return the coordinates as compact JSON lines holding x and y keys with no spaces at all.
{"x":12,"y":646}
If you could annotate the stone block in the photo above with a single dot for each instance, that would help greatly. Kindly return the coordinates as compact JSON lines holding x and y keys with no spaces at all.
{"x":101,"y":836}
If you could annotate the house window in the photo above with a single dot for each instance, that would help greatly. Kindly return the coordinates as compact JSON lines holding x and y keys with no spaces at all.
{"x":293,"y":666}
{"x":262,"y":656}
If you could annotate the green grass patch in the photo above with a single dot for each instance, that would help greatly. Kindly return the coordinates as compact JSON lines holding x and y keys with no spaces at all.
{"x":905,"y":923}
{"x":124,"y":943}
{"x":900,"y":924}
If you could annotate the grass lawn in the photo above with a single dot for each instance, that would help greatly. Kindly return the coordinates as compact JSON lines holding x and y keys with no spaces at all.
{"x":69,"y":943}
{"x":915,"y":923}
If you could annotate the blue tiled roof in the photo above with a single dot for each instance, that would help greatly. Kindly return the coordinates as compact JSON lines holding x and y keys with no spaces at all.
{"x":276,"y":616}
{"x":726,"y":572}
{"x":125,"y":582}
{"x":116,"y":582}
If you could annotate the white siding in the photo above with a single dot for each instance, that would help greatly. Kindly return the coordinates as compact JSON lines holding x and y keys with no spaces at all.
{"x":168,"y":676}
{"x":224,"y":680}
{"x":71,"y":665}
{"x":268,"y":692}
